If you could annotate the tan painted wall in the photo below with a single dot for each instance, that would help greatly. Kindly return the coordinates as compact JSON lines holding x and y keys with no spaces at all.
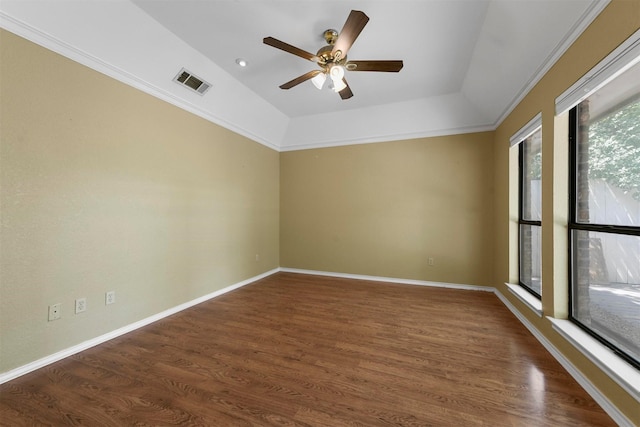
{"x":107,"y":188}
{"x":383,"y":209}
{"x":614,"y":25}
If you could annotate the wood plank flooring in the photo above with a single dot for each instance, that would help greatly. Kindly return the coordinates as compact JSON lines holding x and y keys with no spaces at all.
{"x":300,"y":350}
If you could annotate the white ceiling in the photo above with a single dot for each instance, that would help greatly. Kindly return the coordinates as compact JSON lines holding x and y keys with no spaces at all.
{"x":466,"y":62}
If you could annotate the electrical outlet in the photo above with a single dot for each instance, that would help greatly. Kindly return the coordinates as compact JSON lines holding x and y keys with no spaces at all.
{"x":431,"y":261}
{"x":257,"y":257}
{"x":55,"y":311}
{"x":110,"y":297}
{"x":81,"y":305}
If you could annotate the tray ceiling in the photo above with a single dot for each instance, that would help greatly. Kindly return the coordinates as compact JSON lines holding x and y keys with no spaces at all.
{"x":466,"y":63}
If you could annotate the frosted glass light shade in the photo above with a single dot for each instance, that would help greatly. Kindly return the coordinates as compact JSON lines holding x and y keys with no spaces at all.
{"x":318,"y":80}
{"x":337,"y":73}
{"x":338,"y":85}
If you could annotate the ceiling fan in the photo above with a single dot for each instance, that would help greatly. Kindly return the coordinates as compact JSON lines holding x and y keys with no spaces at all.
{"x":332,"y":58}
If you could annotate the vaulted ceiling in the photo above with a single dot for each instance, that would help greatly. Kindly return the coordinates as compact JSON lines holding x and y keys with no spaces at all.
{"x":467,"y":63}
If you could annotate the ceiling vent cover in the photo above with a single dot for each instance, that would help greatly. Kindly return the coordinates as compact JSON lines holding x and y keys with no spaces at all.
{"x":187,"y":79}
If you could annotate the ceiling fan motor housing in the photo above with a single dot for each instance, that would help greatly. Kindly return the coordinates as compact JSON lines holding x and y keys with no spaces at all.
{"x":326,"y":58}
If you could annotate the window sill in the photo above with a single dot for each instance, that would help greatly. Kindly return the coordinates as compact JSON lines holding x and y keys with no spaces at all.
{"x":526,"y":298}
{"x":625,"y":375}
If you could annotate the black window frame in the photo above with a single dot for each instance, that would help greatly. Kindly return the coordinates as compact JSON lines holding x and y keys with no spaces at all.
{"x":521,"y":220}
{"x":574,"y":225}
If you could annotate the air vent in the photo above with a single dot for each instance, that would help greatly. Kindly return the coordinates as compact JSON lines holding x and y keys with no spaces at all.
{"x":185,"y":78}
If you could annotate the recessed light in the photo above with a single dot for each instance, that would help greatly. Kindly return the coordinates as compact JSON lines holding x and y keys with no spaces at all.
{"x":241,"y":62}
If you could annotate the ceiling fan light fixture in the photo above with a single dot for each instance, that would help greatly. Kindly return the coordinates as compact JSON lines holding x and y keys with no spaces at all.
{"x":338,"y":85}
{"x":337,"y":73}
{"x":318,"y":80}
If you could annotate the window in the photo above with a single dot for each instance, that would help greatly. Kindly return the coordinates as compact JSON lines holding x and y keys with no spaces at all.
{"x":604,"y":217}
{"x":530,"y":213}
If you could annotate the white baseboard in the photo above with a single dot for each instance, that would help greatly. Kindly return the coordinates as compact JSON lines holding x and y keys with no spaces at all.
{"x":601,"y":399}
{"x":390,"y":280}
{"x":40,"y":363}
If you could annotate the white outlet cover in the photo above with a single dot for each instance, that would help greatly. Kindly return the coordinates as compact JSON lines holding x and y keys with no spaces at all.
{"x":81,"y":305}
{"x":110,"y":297}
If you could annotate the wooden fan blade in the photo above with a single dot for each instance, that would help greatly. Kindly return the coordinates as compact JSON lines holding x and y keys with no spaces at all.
{"x":351,"y":30}
{"x":289,"y":48}
{"x":298,"y":80}
{"x":346,"y":92}
{"x":386,"y":66}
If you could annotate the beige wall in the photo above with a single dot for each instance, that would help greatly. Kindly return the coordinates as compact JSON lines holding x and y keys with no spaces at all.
{"x":107,"y":188}
{"x":383,"y":209}
{"x":614,"y":25}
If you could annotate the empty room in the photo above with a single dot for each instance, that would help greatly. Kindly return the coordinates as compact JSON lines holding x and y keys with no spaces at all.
{"x":320,"y":213}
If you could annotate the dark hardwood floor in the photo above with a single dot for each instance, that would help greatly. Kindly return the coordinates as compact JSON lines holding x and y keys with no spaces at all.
{"x":299,"y":350}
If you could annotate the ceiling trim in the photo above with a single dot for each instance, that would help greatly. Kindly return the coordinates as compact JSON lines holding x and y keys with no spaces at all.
{"x":393,"y":137}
